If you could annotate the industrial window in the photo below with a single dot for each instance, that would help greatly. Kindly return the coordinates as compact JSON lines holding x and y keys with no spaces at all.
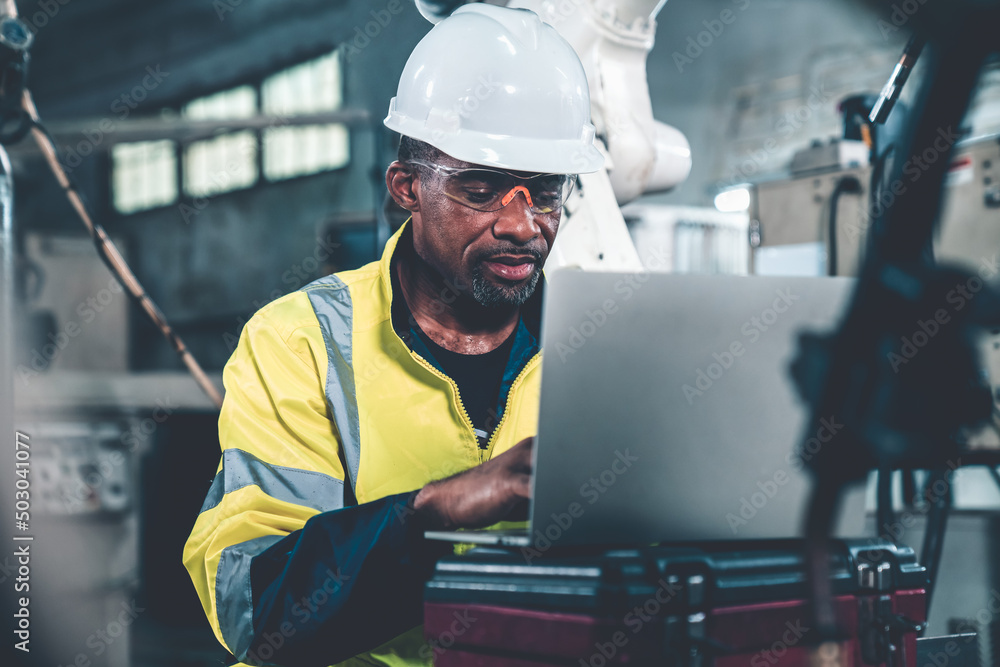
{"x":310,"y":88}
{"x":145,"y":174}
{"x":227,"y":162}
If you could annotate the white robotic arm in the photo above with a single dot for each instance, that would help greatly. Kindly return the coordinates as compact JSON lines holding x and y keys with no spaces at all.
{"x":613,"y":38}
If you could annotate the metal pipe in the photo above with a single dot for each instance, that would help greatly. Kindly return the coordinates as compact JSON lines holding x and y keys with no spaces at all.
{"x":6,"y":296}
{"x":190,"y":129}
{"x":7,"y":335}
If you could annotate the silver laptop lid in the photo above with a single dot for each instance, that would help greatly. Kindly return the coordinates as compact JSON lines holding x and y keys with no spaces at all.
{"x":668,"y":412}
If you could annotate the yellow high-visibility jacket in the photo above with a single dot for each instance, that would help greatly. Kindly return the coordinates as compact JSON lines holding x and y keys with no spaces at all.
{"x":327,"y":407}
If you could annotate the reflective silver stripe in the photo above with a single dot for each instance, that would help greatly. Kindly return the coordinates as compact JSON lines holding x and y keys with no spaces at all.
{"x":301,"y":487}
{"x":331,"y":301}
{"x":233,"y":599}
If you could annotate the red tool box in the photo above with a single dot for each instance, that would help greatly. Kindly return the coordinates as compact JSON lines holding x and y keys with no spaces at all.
{"x":720,"y":605}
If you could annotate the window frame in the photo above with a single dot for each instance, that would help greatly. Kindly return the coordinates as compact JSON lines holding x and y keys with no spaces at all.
{"x":256,"y":82}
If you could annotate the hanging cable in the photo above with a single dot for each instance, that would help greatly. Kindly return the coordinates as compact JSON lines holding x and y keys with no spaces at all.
{"x":112,"y":258}
{"x":27,"y":119}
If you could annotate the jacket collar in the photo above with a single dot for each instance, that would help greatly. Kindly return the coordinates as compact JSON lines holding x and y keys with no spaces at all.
{"x":531,"y":311}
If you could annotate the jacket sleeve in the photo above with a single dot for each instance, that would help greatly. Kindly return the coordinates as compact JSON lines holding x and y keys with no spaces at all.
{"x":346,"y":583}
{"x":273,"y":536}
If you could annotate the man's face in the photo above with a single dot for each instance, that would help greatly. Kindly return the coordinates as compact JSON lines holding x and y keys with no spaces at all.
{"x":495,"y":257}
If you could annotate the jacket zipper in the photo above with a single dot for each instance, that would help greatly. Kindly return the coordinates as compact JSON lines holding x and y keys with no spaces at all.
{"x":488,"y":453}
{"x":484,"y":452}
{"x":458,"y":396}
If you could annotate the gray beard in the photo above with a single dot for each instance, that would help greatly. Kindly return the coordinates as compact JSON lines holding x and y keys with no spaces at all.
{"x":491,"y":295}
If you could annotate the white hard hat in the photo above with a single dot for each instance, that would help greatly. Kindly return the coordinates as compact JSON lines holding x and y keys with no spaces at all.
{"x":497,"y":86}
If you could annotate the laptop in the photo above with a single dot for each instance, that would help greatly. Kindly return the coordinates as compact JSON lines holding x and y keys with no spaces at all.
{"x":668,"y":413}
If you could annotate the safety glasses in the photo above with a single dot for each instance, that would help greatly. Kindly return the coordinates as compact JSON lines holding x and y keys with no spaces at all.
{"x":490,"y":190}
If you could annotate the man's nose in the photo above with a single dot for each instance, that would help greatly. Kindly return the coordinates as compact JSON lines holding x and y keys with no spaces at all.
{"x":516,"y":220}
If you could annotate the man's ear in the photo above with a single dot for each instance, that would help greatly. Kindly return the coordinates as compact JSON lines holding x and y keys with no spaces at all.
{"x":401,"y":181}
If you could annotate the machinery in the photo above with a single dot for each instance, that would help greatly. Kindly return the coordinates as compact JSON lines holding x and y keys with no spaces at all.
{"x":816,"y":220}
{"x":831,"y":208}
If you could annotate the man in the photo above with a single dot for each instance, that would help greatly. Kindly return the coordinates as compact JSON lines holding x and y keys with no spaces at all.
{"x":347,"y":400}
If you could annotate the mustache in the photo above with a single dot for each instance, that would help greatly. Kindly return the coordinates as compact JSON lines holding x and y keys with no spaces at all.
{"x":509,"y":249}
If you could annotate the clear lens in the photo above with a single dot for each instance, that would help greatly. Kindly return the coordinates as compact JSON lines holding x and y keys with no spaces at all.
{"x":485,"y":189}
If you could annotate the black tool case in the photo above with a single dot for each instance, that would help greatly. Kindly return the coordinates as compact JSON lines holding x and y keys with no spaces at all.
{"x":723,"y":604}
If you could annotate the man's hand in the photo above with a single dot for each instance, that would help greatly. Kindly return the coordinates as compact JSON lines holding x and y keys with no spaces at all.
{"x":494,"y":491}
